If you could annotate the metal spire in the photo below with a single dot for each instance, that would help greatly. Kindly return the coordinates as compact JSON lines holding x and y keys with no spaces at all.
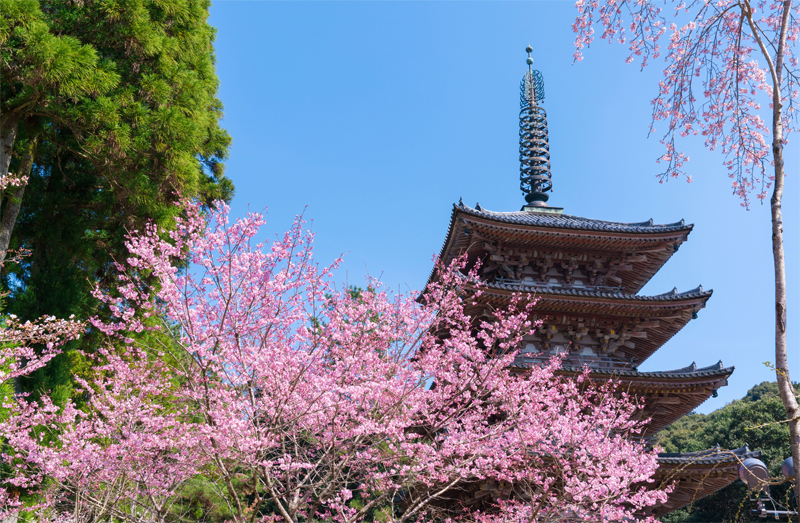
{"x":534,"y":149}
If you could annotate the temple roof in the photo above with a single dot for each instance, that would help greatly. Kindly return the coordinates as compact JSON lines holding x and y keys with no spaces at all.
{"x":655,"y":319}
{"x":712,"y":456}
{"x":646,"y":246}
{"x":697,"y":474}
{"x":673,"y":295}
{"x":567,"y":221}
{"x":668,"y":395}
{"x":692,"y":371}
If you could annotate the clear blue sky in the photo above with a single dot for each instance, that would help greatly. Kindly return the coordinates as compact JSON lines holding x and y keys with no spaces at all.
{"x":378,"y":116}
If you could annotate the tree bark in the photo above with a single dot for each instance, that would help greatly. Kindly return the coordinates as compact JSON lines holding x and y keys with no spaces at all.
{"x":8,"y":133}
{"x":13,"y":201}
{"x":781,"y":358}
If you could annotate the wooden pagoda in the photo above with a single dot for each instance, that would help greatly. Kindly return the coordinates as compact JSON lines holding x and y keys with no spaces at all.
{"x":586,"y":275}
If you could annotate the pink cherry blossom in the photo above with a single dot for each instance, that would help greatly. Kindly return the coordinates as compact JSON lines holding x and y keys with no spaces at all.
{"x":720,"y":67}
{"x":295,"y":399}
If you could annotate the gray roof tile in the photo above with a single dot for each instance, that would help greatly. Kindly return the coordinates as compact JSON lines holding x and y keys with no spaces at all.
{"x":567,"y":221}
{"x":673,"y":295}
{"x":710,"y":456}
{"x":712,"y":370}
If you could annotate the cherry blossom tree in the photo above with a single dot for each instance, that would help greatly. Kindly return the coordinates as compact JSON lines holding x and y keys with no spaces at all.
{"x":724,"y":59}
{"x":25,"y":348}
{"x":294,"y":400}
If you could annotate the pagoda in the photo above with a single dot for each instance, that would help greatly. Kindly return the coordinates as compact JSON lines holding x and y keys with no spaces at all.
{"x":586,"y":275}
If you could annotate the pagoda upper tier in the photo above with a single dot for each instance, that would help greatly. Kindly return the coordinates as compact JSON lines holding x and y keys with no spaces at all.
{"x":556,"y":250}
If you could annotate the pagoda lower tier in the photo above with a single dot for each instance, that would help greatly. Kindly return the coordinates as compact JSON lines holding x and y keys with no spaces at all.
{"x":695,"y":475}
{"x":692,"y":475}
{"x":668,"y":395}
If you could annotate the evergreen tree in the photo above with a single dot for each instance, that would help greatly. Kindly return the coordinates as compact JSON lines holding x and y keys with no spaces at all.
{"x":110,"y":109}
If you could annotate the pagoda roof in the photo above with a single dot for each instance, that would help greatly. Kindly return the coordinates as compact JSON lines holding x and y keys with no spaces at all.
{"x":568,"y":221}
{"x":553,"y":231}
{"x":697,"y":474}
{"x":669,"y":395}
{"x":692,"y":371}
{"x":712,"y":456}
{"x":658,"y":317}
{"x":670,"y":296}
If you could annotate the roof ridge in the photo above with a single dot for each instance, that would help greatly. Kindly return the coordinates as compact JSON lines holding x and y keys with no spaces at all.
{"x":630,"y":372}
{"x":544,"y":289}
{"x":478,"y":210}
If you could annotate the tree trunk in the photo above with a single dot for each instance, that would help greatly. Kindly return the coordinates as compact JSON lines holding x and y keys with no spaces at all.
{"x":8,"y":133}
{"x":781,"y":359}
{"x":13,"y":201}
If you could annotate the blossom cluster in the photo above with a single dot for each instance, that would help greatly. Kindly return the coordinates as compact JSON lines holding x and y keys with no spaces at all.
{"x":724,"y":59}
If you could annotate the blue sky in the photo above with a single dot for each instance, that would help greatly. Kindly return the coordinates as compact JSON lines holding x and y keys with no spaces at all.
{"x":375,"y":117}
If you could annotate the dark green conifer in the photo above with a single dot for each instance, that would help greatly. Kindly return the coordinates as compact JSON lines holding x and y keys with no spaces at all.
{"x":110,"y":107}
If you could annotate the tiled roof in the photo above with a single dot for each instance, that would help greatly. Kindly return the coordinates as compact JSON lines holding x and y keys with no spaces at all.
{"x":673,"y":295}
{"x":702,"y":371}
{"x":567,"y":221}
{"x":710,"y":456}
{"x":713,"y":370}
{"x":699,"y":466}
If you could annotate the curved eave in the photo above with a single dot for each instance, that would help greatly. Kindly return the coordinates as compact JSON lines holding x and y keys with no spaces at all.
{"x":696,"y":475}
{"x":668,"y":395}
{"x":469,"y":229}
{"x":695,"y":295}
{"x":548,"y":220}
{"x":654,"y":377}
{"x":715,"y":457}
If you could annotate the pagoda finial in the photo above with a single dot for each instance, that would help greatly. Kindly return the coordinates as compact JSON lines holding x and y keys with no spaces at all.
{"x":534,"y":147}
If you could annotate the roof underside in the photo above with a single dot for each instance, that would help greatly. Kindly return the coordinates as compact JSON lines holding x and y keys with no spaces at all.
{"x":668,"y":395}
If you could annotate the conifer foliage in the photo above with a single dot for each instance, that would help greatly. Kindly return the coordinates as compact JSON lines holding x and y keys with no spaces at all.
{"x":109,"y":114}
{"x":292,"y":400}
{"x":128,"y":87}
